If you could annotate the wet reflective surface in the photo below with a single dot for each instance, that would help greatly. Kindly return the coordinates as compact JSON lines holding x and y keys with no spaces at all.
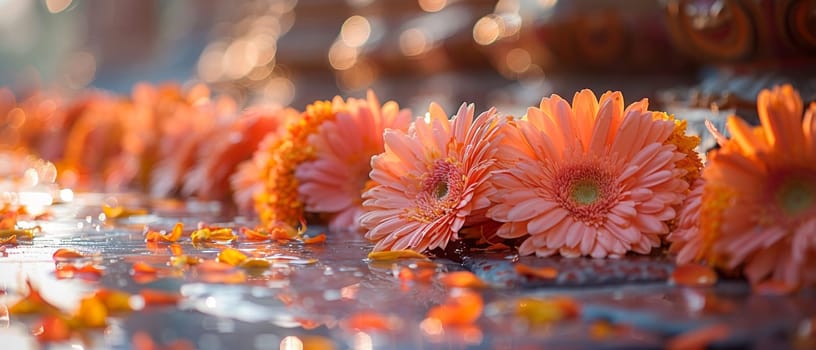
{"x":331,"y":296}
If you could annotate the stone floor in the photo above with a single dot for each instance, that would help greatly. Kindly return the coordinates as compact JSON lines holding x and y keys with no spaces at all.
{"x":313,"y":295}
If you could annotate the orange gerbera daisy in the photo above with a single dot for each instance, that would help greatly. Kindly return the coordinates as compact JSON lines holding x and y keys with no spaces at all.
{"x":588,"y":179}
{"x":333,"y":182}
{"x":432,"y":180}
{"x":763,"y":180}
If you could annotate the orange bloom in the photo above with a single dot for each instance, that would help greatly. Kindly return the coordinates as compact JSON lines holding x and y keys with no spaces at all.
{"x":588,"y":179}
{"x":333,"y":182}
{"x":220,"y":154}
{"x":762,"y":185}
{"x":249,"y":178}
{"x":279,"y":200}
{"x":432,"y":181}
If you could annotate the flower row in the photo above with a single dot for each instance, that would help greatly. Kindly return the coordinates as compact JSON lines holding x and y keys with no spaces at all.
{"x":591,"y":177}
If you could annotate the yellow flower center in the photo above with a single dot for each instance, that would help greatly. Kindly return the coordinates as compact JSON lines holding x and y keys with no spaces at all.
{"x":587,"y":189}
{"x":585,"y":192}
{"x":440,"y":191}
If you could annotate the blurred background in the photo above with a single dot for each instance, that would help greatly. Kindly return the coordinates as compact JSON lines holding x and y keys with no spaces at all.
{"x":509,"y":53}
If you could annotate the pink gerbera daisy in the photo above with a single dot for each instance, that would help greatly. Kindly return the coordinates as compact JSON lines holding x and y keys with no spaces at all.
{"x":334,"y":180}
{"x":431,"y":181}
{"x":588,"y":179}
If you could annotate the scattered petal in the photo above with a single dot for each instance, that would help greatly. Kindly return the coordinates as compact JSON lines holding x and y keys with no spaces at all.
{"x":67,"y":254}
{"x":542,"y":311}
{"x":231,"y":256}
{"x":118,"y":212}
{"x":370,"y":321}
{"x":462,"y":308}
{"x":161,"y":236}
{"x":536,"y":272}
{"x":255,"y":263}
{"x":321,"y":238}
{"x":159,"y":297}
{"x":462,"y":279}
{"x":54,"y":329}
{"x":92,"y":313}
{"x":396,"y":254}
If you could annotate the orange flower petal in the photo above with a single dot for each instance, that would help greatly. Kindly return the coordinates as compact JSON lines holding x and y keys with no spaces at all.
{"x":143,"y":268}
{"x":213,"y":234}
{"x":33,"y":303}
{"x":536,"y":272}
{"x":184,"y":260}
{"x":541,"y":311}
{"x":462,"y":307}
{"x":694,"y":275}
{"x":114,"y":301}
{"x":212,"y":266}
{"x":396,"y":254}
{"x":176,"y":250}
{"x":316,"y":239}
{"x":368,"y":321}
{"x":92,"y":313}
{"x":11,"y":240}
{"x":462,"y":279}
{"x":159,"y":297}
{"x":54,"y":329}
{"x":160,"y":236}
{"x":255,"y":263}
{"x":231,"y":256}
{"x":66,"y":253}
{"x":176,"y":233}
{"x":406,"y":275}
{"x":254,"y":235}
{"x":122,"y":212}
{"x":24,"y":234}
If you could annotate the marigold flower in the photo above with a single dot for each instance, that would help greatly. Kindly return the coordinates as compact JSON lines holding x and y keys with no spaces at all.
{"x":758,"y":207}
{"x":431,"y":181}
{"x":333,"y":182}
{"x":588,"y":179}
{"x":279,"y":200}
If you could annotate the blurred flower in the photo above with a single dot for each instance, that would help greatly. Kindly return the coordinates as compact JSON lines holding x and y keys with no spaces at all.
{"x":233,"y":143}
{"x":184,"y":121}
{"x":758,"y":207}
{"x":588,"y":179}
{"x":432,"y":181}
{"x":333,"y":182}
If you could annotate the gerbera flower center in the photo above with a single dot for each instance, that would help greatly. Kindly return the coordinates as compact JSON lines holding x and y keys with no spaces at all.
{"x":587,"y":189}
{"x":796,"y":197}
{"x":440,"y":190}
{"x":585,"y":192}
